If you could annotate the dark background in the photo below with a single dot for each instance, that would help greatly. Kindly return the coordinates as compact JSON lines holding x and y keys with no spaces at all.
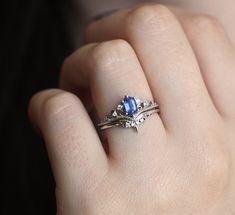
{"x":34,"y":42}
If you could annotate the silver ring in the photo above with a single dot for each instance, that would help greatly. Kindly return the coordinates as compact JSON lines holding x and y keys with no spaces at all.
{"x":130,"y":113}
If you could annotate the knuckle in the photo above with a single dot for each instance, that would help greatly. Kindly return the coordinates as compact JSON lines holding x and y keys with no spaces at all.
{"x":149,"y":18}
{"x":206,"y":23}
{"x":109,"y":54}
{"x":58,"y":105}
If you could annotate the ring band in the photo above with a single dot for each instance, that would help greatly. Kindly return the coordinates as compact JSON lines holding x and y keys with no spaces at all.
{"x":130,"y":113}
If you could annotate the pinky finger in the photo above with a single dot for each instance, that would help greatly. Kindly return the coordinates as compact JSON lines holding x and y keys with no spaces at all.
{"x":73,"y":145}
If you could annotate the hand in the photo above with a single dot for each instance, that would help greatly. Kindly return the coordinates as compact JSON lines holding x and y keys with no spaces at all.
{"x":181,"y":161}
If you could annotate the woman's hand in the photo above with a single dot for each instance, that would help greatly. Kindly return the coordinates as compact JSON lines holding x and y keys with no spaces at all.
{"x":181,"y":161}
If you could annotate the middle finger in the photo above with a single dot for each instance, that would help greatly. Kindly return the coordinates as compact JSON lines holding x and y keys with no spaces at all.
{"x":168,"y":61}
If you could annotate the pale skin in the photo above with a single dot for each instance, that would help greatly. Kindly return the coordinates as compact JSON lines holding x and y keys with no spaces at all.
{"x":181,"y":161}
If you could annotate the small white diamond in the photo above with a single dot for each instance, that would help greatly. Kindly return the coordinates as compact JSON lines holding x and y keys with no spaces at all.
{"x":114,"y":113}
{"x":119,"y":107}
{"x":146,"y":103}
{"x":137,"y":101}
{"x":133,"y":124}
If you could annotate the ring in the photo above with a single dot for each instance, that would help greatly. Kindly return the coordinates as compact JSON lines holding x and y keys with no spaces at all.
{"x":130,"y":113}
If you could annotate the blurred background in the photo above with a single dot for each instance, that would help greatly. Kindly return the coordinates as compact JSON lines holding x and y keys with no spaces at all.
{"x":34,"y":42}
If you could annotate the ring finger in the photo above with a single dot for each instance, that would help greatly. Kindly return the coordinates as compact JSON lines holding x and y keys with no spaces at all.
{"x":111,"y":70}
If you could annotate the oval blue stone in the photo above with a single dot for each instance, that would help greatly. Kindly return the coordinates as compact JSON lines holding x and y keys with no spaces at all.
{"x":129,"y":105}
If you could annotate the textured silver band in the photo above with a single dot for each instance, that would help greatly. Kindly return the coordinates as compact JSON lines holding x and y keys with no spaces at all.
{"x":121,"y":118}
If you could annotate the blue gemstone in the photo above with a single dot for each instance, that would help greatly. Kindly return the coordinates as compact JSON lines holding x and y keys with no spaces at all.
{"x":129,"y":105}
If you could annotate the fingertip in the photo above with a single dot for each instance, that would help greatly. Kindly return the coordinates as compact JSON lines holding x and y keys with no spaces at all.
{"x":35,"y":107}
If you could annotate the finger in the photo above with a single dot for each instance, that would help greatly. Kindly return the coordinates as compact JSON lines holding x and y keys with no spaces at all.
{"x":167,"y":59}
{"x":216,"y":56}
{"x":74,"y":148}
{"x":111,"y":70}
